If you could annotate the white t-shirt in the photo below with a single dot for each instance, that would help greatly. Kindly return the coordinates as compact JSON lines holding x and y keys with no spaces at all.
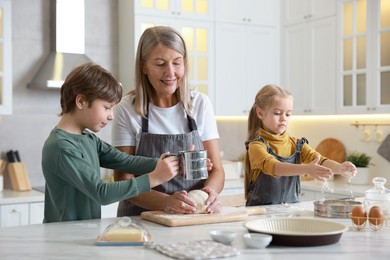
{"x":127,"y":125}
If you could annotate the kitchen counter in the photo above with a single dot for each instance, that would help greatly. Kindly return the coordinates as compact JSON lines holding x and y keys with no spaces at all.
{"x":11,"y":196}
{"x":339,"y":186}
{"x":76,"y":240}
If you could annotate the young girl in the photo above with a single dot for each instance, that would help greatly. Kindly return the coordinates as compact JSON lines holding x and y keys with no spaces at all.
{"x":72,"y":155}
{"x":275,"y":160}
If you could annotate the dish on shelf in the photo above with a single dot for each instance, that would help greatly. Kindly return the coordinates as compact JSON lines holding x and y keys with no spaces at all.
{"x":298,"y":231}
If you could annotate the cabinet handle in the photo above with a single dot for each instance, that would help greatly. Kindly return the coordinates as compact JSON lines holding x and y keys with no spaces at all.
{"x":374,"y":108}
{"x":249,"y":19}
{"x":244,"y":19}
{"x":178,"y":13}
{"x":173,"y":12}
{"x":309,"y":16}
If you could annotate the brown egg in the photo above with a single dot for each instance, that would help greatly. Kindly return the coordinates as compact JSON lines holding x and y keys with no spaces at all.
{"x":376,"y":216}
{"x":358,"y":215}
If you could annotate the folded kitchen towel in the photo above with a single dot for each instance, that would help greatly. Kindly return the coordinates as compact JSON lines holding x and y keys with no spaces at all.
{"x":384,"y":148}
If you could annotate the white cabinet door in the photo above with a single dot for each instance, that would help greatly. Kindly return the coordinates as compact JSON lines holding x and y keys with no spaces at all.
{"x":182,"y":9}
{"x":5,"y":58}
{"x":257,"y":12}
{"x":230,"y":69}
{"x":14,"y":215}
{"x":246,"y":59}
{"x":309,"y":71}
{"x":364,"y":63}
{"x":262,"y":60}
{"x":109,"y":211}
{"x":299,"y":11}
{"x":36,"y":212}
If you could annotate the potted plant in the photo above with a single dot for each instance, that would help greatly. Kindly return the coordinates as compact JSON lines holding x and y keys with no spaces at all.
{"x":361,"y":161}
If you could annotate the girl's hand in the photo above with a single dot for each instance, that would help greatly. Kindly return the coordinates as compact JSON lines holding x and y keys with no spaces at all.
{"x":317,"y":171}
{"x":213,"y":202}
{"x":179,"y":203}
{"x":348,"y":169}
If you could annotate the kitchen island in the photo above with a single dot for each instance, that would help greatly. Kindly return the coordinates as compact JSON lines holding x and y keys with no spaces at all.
{"x":76,"y":240}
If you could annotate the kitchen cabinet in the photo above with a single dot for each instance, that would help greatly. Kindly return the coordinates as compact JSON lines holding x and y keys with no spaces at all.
{"x":308,"y":65}
{"x":195,"y":26}
{"x":5,"y":58}
{"x":255,"y":12}
{"x":299,"y":11}
{"x":364,"y":74}
{"x":246,"y":56}
{"x":246,"y":60}
{"x":110,"y":210}
{"x":21,"y":208}
{"x":36,"y":210}
{"x":14,"y":215}
{"x":308,"y":61}
{"x":182,"y":9}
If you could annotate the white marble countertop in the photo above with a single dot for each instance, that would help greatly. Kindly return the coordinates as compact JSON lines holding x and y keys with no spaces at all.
{"x":12,"y":197}
{"x":76,"y":240}
{"x":340,"y":186}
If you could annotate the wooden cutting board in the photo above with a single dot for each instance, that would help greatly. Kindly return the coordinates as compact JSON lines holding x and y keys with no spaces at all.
{"x":332,"y":149}
{"x":228,"y":214}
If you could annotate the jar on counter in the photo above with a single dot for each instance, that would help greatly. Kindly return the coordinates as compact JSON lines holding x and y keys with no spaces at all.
{"x":379,"y":195}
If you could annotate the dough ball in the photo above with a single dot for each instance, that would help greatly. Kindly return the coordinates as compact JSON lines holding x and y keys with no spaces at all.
{"x":200,"y":198}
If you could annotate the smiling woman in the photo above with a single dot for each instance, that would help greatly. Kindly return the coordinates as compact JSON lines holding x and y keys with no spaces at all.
{"x":164,"y":114}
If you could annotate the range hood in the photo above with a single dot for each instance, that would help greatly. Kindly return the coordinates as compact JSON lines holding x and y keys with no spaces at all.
{"x":67,"y":42}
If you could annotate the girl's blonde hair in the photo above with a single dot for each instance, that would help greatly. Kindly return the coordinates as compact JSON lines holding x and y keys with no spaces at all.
{"x":150,"y":39}
{"x":264,"y":99}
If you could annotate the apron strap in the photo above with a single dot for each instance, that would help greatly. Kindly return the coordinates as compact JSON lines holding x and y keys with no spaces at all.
{"x":145,"y":123}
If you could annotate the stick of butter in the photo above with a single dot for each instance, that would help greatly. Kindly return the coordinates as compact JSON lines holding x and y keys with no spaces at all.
{"x":124,"y":235}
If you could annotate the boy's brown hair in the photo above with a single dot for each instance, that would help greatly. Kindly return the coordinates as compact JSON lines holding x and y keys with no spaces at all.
{"x":93,"y":82}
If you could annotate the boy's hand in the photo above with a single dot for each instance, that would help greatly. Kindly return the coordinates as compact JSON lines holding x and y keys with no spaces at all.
{"x":167,"y":167}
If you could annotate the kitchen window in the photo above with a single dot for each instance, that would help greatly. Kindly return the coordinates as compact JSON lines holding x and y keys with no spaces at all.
{"x":365,"y":56}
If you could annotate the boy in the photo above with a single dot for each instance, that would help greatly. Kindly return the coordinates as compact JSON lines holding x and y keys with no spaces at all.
{"x":72,"y":156}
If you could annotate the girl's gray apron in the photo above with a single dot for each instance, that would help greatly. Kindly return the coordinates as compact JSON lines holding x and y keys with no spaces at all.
{"x":268,"y":190}
{"x":153,"y":145}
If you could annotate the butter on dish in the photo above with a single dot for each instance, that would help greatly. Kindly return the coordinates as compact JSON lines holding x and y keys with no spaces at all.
{"x":124,"y":232}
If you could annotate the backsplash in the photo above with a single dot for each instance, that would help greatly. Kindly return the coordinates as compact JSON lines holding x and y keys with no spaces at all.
{"x":233,"y":135}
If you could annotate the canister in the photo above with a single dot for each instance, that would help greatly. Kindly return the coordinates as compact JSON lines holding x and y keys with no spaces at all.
{"x":378,"y":195}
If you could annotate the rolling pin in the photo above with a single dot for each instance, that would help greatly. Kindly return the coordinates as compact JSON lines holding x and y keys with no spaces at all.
{"x":254,"y":210}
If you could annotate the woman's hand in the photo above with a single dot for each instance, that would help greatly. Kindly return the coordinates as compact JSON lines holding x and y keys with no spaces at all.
{"x":179,"y":203}
{"x":213,"y":202}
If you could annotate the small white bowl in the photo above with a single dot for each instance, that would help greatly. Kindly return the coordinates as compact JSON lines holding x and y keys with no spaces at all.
{"x":223,"y":236}
{"x":257,"y":240}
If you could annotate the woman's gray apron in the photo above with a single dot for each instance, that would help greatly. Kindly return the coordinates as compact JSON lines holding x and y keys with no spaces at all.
{"x":266,"y":190}
{"x":153,"y":145}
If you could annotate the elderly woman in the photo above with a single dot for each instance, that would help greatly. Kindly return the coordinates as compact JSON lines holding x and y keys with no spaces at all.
{"x":163,"y":114}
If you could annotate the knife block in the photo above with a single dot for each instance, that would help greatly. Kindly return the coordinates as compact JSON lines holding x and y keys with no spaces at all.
{"x":19,"y":176}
